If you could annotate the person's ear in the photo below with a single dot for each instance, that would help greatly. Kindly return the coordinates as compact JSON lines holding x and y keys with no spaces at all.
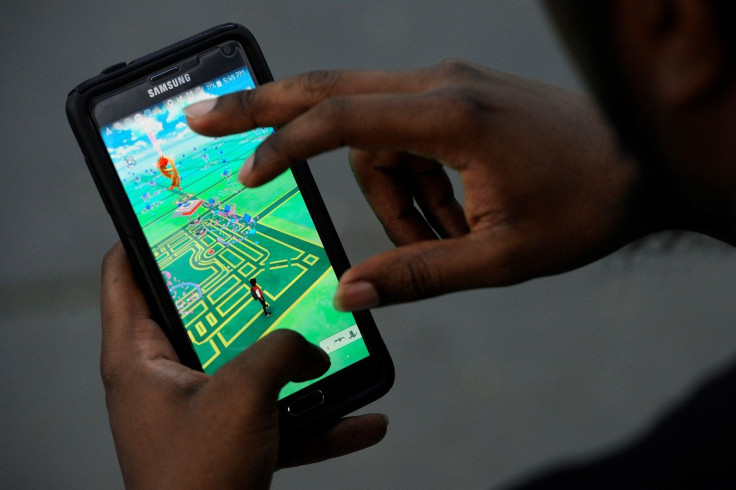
{"x":673,"y":50}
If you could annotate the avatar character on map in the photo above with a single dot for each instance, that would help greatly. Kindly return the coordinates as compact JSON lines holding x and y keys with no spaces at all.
{"x":168,"y":169}
{"x":257,"y":293}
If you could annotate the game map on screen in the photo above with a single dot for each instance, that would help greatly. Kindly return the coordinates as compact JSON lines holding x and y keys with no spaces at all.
{"x":239,"y":262}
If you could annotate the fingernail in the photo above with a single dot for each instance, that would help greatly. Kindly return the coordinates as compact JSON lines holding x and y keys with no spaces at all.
{"x":384,"y":417}
{"x":246,"y":168}
{"x":356,"y":296}
{"x":199,"y":109}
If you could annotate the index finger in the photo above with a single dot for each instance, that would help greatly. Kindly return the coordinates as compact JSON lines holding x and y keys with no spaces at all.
{"x":277,"y":103}
{"x":128,"y":330}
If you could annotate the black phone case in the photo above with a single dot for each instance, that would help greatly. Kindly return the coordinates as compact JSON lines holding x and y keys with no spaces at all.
{"x":377,"y":366}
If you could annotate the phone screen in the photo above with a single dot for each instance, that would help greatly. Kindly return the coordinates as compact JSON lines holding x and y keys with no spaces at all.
{"x":238,"y":262}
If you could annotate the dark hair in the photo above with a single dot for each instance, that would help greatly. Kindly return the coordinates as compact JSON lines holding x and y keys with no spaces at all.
{"x":253,"y":281}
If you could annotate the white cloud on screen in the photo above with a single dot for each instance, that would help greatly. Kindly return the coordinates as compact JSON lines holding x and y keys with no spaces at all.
{"x":121,"y":151}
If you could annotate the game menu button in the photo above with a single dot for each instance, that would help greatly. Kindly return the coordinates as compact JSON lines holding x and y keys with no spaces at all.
{"x":306,"y":403}
{"x":340,"y":339}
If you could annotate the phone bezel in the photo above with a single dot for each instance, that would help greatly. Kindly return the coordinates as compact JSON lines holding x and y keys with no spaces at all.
{"x":345,"y":390}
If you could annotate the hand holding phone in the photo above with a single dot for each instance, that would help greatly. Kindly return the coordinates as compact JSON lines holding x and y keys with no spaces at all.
{"x":175,"y":427}
{"x":222,"y":265}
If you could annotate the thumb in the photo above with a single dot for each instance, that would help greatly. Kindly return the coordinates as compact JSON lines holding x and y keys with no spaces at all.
{"x":422,"y":270}
{"x":265,"y":367}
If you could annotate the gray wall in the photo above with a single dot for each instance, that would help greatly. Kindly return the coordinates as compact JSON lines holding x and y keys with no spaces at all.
{"x":490,"y":384}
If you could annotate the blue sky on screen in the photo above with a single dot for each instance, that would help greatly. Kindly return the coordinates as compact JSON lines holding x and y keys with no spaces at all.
{"x":161,"y":127}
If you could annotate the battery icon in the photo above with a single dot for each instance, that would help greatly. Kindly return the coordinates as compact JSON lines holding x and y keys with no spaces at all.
{"x":219,"y":83}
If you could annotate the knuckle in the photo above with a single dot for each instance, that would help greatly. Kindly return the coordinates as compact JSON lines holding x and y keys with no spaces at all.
{"x":421,"y":280}
{"x":332,"y":110}
{"x":451,"y":65}
{"x":248,"y":106}
{"x":247,"y":99}
{"x":464,"y":102}
{"x":465,"y":106}
{"x":320,"y":83}
{"x":455,"y":69}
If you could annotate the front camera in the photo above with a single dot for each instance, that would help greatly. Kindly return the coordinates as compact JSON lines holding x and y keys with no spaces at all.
{"x":228,"y":50}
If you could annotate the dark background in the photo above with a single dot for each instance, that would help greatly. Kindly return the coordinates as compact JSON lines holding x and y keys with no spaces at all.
{"x":491,"y":385}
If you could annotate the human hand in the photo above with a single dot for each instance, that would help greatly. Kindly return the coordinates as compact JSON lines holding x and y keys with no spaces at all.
{"x":179,"y":428}
{"x":546,"y":188}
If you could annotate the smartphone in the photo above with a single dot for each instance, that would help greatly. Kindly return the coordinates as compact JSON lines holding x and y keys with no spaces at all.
{"x":220,"y":264}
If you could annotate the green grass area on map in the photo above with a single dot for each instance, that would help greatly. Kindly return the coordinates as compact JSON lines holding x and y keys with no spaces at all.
{"x":315,"y":318}
{"x":254,"y":200}
{"x":293,"y":218}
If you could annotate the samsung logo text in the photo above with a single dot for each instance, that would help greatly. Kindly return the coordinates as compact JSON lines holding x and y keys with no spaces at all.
{"x":169,"y":85}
